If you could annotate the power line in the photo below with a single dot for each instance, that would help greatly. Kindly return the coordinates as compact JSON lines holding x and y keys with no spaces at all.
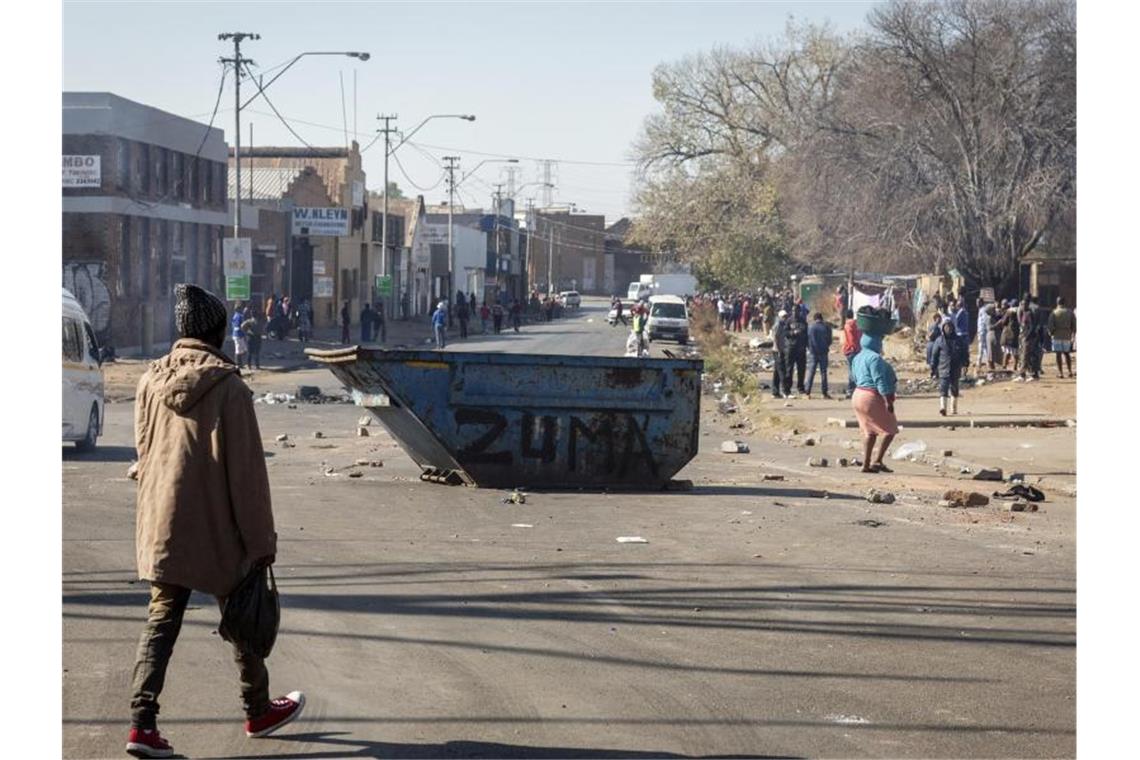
{"x":412,"y":182}
{"x":532,"y":158}
{"x":275,"y":111}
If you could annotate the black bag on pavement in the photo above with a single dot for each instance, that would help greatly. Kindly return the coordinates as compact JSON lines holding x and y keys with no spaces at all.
{"x":252,"y":613}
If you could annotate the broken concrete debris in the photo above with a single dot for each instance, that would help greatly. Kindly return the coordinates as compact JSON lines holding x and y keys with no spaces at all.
{"x":362,"y":432}
{"x":631,"y":540}
{"x":308,"y":392}
{"x":133,"y":471}
{"x":734,"y":447}
{"x":947,"y":452}
{"x":957,"y":499}
{"x":318,"y":434}
{"x":365,"y":420}
{"x":817,"y":462}
{"x":283,"y":437}
{"x":1022,"y":506}
{"x":515,"y":497}
{"x":773,"y":477}
{"x":842,"y":461}
{"x":875,"y":496}
{"x":988,"y":473}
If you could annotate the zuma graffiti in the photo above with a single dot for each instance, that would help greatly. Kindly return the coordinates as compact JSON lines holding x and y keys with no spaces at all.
{"x":85,"y":281}
{"x":611,"y":442}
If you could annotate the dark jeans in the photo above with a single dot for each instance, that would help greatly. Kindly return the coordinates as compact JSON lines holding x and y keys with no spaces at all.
{"x":163,"y":622}
{"x":344,"y":336}
{"x":462,"y":327}
{"x":796,"y":360}
{"x":254,"y":355}
{"x":820,"y":361}
{"x":948,"y":386}
{"x":850,"y":374}
{"x":778,"y":372}
{"x":498,"y":324}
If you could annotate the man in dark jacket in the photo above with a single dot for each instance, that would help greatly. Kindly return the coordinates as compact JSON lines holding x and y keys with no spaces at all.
{"x":819,"y":343}
{"x":796,"y":354}
{"x":366,"y":316}
{"x":204,"y":518}
{"x":345,"y":324}
{"x":948,"y":357}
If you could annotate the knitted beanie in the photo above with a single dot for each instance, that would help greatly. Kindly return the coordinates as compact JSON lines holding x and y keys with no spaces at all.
{"x":198,"y":313}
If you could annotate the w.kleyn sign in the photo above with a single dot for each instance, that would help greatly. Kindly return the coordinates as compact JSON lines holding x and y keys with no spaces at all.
{"x":81,"y":171}
{"x":328,"y":222}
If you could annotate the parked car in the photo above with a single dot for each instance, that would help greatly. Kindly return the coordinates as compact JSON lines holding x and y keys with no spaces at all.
{"x":82,"y":377}
{"x":570,"y":299}
{"x":668,"y":318}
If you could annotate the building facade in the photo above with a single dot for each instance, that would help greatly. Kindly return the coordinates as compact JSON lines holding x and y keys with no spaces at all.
{"x":144,"y":208}
{"x":567,"y":252}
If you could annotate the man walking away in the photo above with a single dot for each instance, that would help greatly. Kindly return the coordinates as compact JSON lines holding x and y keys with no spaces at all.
{"x":1029,"y":344}
{"x":462,"y":314}
{"x":345,"y":323}
{"x":366,"y":324}
{"x":962,"y":325}
{"x":484,"y":315}
{"x":1063,"y":328}
{"x":819,"y":343}
{"x":497,"y":317}
{"x":516,"y":315}
{"x":252,"y":329}
{"x":204,"y":517}
{"x":379,"y":322}
{"x":439,"y":326}
{"x":949,"y":357}
{"x":620,"y":315}
{"x":851,"y":337}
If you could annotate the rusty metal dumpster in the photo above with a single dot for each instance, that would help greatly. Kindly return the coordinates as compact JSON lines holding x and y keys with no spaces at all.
{"x":539,"y":421}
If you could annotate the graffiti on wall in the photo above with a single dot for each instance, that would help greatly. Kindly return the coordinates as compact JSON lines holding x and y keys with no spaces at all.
{"x":85,"y":281}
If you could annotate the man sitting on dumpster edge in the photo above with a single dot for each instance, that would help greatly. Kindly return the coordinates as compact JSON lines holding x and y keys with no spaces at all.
{"x":204,"y":517}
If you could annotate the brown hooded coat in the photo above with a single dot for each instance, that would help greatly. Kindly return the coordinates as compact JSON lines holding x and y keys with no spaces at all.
{"x":204,"y":513}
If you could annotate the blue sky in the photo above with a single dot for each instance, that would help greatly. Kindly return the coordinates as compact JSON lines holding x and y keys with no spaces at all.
{"x":567,"y":81}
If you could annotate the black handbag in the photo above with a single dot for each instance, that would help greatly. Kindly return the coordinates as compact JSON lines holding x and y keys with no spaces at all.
{"x":252,"y":613}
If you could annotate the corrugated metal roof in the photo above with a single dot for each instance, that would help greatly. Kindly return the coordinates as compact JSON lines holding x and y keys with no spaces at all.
{"x":268,"y":182}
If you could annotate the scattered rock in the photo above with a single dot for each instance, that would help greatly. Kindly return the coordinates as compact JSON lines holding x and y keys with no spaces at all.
{"x":1070,"y":423}
{"x":283,"y":437}
{"x":318,"y":434}
{"x":788,"y":404}
{"x":308,"y":392}
{"x":734,"y":447}
{"x":365,"y":420}
{"x":870,"y":523}
{"x":773,"y":477}
{"x":947,"y":452}
{"x":1017,"y":477}
{"x":361,"y":462}
{"x":988,"y":473}
{"x":817,"y":462}
{"x":1022,"y":506}
{"x":964,"y":470}
{"x":515,"y":497}
{"x":956,"y":499}
{"x":842,"y":461}
{"x":362,"y":432}
{"x":375,"y":463}
{"x":291,"y":406}
{"x":837,"y":422}
{"x":133,"y":471}
{"x":356,"y":474}
{"x":875,"y":496}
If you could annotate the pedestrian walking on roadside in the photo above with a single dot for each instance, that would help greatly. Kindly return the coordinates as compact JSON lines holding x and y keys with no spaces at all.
{"x":305,"y":321}
{"x":241,"y":347}
{"x":204,"y":517}
{"x":948,"y":358}
{"x":640,"y":316}
{"x":1009,"y":335}
{"x":620,"y":316}
{"x":271,"y":315}
{"x":933,"y":333}
{"x":462,"y":314}
{"x":497,"y":317}
{"x":484,"y":316}
{"x":345,"y":324}
{"x":252,"y":329}
{"x":1029,"y":342}
{"x":851,"y":337}
{"x":379,"y":322}
{"x":874,"y":400}
{"x":439,"y":325}
{"x":819,"y":344}
{"x":1063,"y":329}
{"x":366,"y":315}
{"x":779,"y":336}
{"x":516,"y":315}
{"x":961,"y":318}
{"x":796,"y":356}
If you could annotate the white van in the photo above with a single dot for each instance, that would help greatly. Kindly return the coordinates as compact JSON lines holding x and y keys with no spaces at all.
{"x":638,"y":291}
{"x":668,"y":318}
{"x":82,"y":377}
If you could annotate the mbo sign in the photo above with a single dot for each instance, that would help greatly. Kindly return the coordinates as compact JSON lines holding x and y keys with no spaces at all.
{"x":81,"y":171}
{"x":327,"y":222}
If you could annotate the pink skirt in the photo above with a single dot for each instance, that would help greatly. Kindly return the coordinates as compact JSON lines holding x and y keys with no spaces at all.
{"x":872,"y":413}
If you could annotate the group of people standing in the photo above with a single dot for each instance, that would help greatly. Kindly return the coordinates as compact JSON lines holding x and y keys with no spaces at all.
{"x":249,"y":325}
{"x":466,"y":309}
{"x":740,"y":311}
{"x":794,"y":340}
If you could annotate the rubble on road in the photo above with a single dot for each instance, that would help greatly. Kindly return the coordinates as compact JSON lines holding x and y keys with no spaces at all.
{"x":631,"y":540}
{"x":133,"y":471}
{"x":773,"y":477}
{"x":875,"y":496}
{"x":365,"y":420}
{"x":356,"y":474}
{"x":817,"y":462}
{"x":318,"y":434}
{"x":515,"y":497}
{"x":283,"y":437}
{"x":842,"y":461}
{"x":989,"y":473}
{"x":734,"y":447}
{"x":1022,"y":506}
{"x":362,"y":432}
{"x":958,"y":499}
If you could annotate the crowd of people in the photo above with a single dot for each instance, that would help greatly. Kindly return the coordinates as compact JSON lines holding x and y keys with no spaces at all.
{"x":249,"y":325}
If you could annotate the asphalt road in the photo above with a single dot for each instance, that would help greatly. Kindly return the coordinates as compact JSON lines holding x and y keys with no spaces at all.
{"x":758,"y":621}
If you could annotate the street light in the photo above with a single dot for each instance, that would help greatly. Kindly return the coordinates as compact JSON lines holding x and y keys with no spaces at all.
{"x":238,"y":62}
{"x":388,"y":152}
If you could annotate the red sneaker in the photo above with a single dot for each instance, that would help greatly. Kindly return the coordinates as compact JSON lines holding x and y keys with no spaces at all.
{"x":281,"y":711}
{"x":148,"y":743}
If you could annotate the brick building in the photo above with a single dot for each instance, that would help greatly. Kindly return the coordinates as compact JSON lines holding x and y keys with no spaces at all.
{"x":326,"y":269}
{"x":144,"y":208}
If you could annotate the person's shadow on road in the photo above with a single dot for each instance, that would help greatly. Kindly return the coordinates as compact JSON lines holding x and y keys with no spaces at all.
{"x":345,"y":747}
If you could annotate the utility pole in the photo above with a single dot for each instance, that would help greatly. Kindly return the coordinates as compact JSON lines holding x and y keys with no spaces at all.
{"x":238,"y":62}
{"x":547,"y":185}
{"x":552,"y":230}
{"x":387,"y":130}
{"x":451,"y":166}
{"x":529,"y":234}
